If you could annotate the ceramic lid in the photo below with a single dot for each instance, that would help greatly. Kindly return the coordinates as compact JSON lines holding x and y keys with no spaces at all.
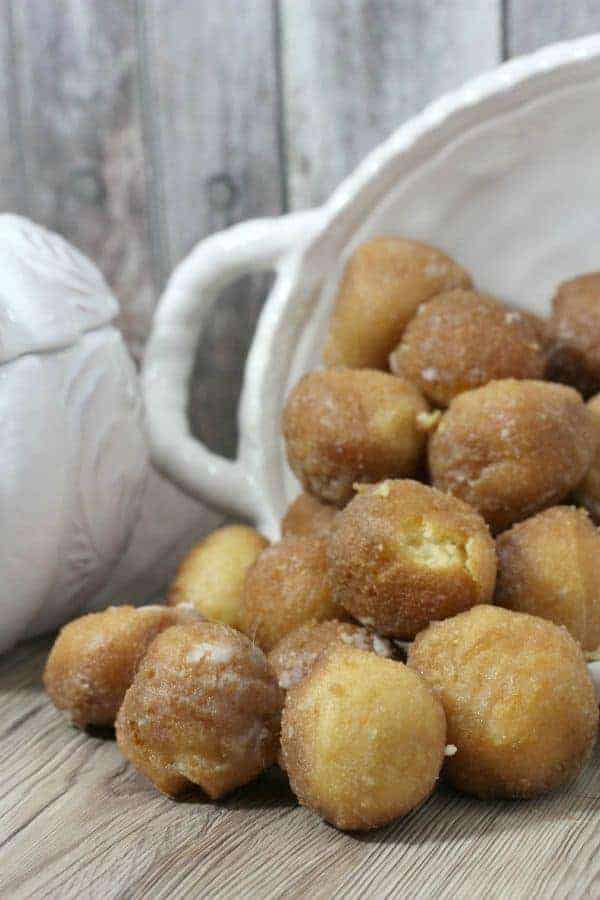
{"x":50,"y":293}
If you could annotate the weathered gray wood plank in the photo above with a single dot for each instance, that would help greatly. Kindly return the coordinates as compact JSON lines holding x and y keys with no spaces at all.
{"x":78,"y":84}
{"x":213,"y":90}
{"x":13,"y":196}
{"x":77,"y":821}
{"x":532,"y":23}
{"x":354,"y":70}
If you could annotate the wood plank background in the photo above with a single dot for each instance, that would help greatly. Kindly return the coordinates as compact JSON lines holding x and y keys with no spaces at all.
{"x":136,"y":127}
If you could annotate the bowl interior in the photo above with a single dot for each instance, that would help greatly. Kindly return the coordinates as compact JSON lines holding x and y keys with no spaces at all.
{"x":514,"y":198}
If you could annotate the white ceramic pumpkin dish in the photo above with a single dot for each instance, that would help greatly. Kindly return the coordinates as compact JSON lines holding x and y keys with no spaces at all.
{"x":503,"y":175}
{"x":84,"y":519}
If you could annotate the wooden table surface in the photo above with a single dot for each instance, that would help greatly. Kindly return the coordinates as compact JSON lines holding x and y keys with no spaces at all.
{"x":77,"y":821}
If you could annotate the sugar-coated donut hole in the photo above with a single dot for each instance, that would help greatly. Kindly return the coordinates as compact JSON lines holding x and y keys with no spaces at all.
{"x":512,"y":448}
{"x":342,"y":426}
{"x":95,"y":657}
{"x":520,"y":705}
{"x":363,"y":739}
{"x":549,"y":566}
{"x":587,"y":492}
{"x":287,"y":586}
{"x":306,"y":517}
{"x":461,"y":340}
{"x":384,"y":281}
{"x":402,"y":554}
{"x":574,"y":334}
{"x":211,"y":576}
{"x":204,"y":709}
{"x":294,"y":655}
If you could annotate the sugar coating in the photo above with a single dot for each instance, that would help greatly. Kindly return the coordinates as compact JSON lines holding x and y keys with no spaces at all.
{"x":463,"y":339}
{"x":217,"y":653}
{"x":587,"y":492}
{"x":211,"y":576}
{"x":362,"y":739}
{"x":549,"y":566}
{"x":293,"y":656}
{"x":203,"y":709}
{"x":287,"y":587}
{"x":402,"y":557}
{"x":429,"y":373}
{"x":384,"y":282}
{"x":547,"y":448}
{"x":381,"y":646}
{"x":307,"y":517}
{"x":343,"y":426}
{"x":519,"y":701}
{"x":429,"y":421}
{"x":94,"y":659}
{"x":574,"y":330}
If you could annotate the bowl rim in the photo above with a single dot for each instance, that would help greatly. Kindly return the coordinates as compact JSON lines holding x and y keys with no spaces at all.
{"x":500,"y":81}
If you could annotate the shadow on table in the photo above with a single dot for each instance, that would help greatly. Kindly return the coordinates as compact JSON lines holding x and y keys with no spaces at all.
{"x":271,"y":789}
{"x":22,"y":667}
{"x":448,"y":815}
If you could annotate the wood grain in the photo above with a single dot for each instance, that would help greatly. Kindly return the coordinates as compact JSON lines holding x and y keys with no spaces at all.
{"x":78,"y":92}
{"x":77,"y":821}
{"x":13,"y":194}
{"x":354,"y":70}
{"x":213,"y":90}
{"x":532,"y":23}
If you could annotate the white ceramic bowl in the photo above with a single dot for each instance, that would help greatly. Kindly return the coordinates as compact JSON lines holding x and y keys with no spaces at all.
{"x":504,"y":175}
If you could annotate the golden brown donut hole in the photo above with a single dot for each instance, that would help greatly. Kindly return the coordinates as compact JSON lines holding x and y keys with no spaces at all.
{"x":587,"y":492}
{"x":307,"y":517}
{"x":574,"y":330}
{"x":294,"y":655}
{"x":512,"y":448}
{"x":362,"y":739}
{"x":461,"y":340}
{"x":204,"y":709}
{"x":343,"y":426}
{"x":287,"y":586}
{"x":384,"y":281}
{"x":549,"y":566}
{"x":94,"y":659}
{"x":211,"y":576}
{"x":520,"y":705}
{"x":402,"y":554}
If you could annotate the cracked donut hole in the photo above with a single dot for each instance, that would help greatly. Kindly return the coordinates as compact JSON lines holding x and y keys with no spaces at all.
{"x":402,"y":554}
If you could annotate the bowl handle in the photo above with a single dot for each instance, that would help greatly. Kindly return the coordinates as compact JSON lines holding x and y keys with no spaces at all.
{"x":181,"y":314}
